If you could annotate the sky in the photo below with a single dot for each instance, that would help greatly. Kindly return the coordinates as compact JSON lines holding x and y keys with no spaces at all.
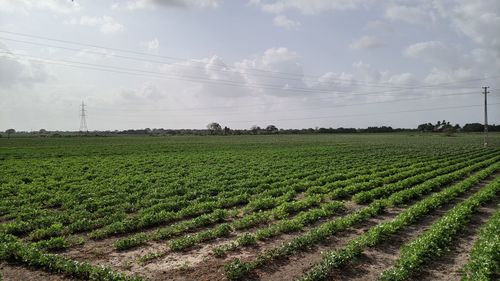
{"x":294,"y":64}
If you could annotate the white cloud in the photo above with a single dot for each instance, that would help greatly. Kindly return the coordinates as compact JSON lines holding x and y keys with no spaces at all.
{"x":148,"y":91}
{"x":309,"y":6}
{"x":438,"y":76}
{"x":106,"y":24}
{"x":152,"y":45}
{"x":152,"y":4}
{"x":283,"y":21}
{"x":95,"y":54}
{"x":435,"y":53}
{"x":24,"y":6}
{"x":16,"y":71}
{"x":278,"y":60}
{"x":366,"y":42}
{"x":478,"y":20}
{"x":410,"y":14}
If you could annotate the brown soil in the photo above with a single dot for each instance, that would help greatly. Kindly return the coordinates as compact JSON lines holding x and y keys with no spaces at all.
{"x":375,"y":260}
{"x":14,"y":272}
{"x":448,"y":266}
{"x":295,"y":266}
{"x":199,"y":263}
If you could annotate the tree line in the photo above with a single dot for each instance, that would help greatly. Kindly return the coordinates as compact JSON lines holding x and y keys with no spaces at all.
{"x":215,"y":128}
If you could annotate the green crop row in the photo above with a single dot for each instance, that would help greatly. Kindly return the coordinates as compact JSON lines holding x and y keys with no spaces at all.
{"x":484,"y":262}
{"x":295,"y":224}
{"x":172,"y":230}
{"x":238,"y":269}
{"x":283,"y":209}
{"x":368,"y":196}
{"x":280,"y":227}
{"x":381,"y":232}
{"x":14,"y":250}
{"x":435,"y":240}
{"x":397,"y":198}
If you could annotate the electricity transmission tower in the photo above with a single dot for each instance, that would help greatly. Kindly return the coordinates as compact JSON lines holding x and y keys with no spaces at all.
{"x":485,"y":115}
{"x":83,"y":120}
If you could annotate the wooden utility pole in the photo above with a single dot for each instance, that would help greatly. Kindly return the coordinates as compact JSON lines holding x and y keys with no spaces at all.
{"x":485,"y":115}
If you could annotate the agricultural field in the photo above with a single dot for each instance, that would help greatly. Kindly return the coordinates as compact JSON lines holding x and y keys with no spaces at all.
{"x":283,"y":207}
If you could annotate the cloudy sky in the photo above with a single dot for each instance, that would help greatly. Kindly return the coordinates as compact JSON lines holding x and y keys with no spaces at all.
{"x":294,"y":64}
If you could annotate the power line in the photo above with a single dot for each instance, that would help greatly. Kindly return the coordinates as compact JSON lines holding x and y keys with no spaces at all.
{"x":195,"y":61}
{"x":140,"y":53}
{"x":291,"y":110}
{"x":197,"y":79}
{"x":371,"y":114}
{"x":357,"y":115}
{"x":229,"y":70}
{"x":193,"y":78}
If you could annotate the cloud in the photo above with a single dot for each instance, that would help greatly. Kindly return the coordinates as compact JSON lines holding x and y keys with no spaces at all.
{"x":16,"y":71}
{"x":366,"y":42}
{"x":410,"y":14}
{"x":438,"y":76}
{"x":206,"y":77}
{"x":95,"y":54}
{"x":152,"y":45}
{"x":378,"y":26}
{"x":152,"y":4}
{"x":435,"y":53}
{"x":24,"y":6}
{"x":258,"y":71}
{"x":106,"y":24}
{"x":478,"y":20}
{"x":283,"y":21}
{"x":309,"y":6}
{"x":148,"y":91}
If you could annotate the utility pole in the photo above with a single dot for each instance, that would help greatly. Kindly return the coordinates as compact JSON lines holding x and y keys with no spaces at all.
{"x":485,"y":115}
{"x":83,"y":120}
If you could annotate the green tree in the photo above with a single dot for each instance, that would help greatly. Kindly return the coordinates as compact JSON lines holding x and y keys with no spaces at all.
{"x":214,"y":128}
{"x":10,"y":132}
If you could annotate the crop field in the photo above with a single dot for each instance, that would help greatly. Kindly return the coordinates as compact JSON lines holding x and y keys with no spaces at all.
{"x":276,"y":207}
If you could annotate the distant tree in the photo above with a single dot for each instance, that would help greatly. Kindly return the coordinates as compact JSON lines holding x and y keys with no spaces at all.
{"x":494,"y":128}
{"x":383,"y":129}
{"x":10,"y":132}
{"x":42,"y":132}
{"x":227,"y":130}
{"x":255,"y":129}
{"x":473,"y":127}
{"x":271,"y":129}
{"x":214,"y":128}
{"x":426,"y":127}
